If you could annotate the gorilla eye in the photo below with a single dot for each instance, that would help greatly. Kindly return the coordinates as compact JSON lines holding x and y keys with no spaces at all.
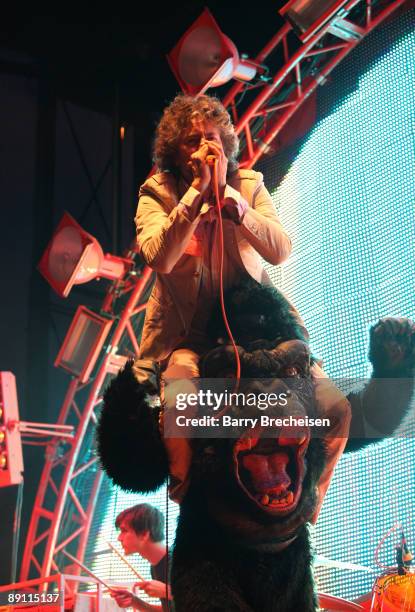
{"x":291,"y":371}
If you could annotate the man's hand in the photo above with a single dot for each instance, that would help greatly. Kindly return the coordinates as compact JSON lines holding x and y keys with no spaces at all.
{"x":216,"y":149}
{"x":234,"y":209}
{"x":201,"y":170}
{"x":154,"y":588}
{"x":123,"y":597}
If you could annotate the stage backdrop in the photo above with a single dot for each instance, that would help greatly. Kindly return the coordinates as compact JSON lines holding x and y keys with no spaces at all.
{"x":346,"y":197}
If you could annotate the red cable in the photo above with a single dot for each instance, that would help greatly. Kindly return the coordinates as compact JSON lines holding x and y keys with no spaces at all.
{"x":221,"y":251}
{"x":379,"y":546}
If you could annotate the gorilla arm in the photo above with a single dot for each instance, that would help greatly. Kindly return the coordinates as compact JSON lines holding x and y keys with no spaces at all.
{"x":380,"y":407}
{"x":129,"y":444}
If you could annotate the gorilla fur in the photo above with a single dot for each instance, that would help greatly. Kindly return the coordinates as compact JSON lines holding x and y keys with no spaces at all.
{"x":125,"y":451}
{"x":259,"y":314}
{"x":233,"y":550}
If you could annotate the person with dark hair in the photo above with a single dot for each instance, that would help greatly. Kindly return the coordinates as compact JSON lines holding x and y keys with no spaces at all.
{"x":142,"y":531}
{"x":178,"y":236}
{"x":142,"y":518}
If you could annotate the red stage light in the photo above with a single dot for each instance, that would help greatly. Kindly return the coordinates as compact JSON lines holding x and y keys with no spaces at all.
{"x":204,"y":57}
{"x":83,"y":343}
{"x":73,"y":257}
{"x":11,"y":457}
{"x":308,"y":16}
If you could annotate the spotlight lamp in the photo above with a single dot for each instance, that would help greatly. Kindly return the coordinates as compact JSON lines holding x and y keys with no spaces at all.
{"x":83,"y":343}
{"x":73,"y":257}
{"x":11,"y":456}
{"x":308,"y":17}
{"x":204,"y":57}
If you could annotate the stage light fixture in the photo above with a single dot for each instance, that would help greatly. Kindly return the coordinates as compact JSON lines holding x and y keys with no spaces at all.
{"x":11,"y":456}
{"x":307,"y":17}
{"x":83,"y":343}
{"x":74,"y":257}
{"x":204,"y":57}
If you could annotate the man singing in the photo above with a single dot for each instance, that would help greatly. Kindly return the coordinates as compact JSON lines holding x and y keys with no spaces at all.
{"x":177,"y":234}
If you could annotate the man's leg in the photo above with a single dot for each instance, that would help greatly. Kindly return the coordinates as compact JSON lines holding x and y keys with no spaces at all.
{"x":182,"y":365}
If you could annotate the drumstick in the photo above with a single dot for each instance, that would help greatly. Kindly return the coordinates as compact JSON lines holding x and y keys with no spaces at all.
{"x":321,"y":560}
{"x":125,"y":561}
{"x":88,"y":571}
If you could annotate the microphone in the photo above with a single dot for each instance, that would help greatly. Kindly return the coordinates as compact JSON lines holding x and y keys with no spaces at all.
{"x":407,"y":556}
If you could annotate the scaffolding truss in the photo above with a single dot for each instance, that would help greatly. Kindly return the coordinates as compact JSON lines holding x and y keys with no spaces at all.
{"x":304,"y":67}
{"x":71,"y":477}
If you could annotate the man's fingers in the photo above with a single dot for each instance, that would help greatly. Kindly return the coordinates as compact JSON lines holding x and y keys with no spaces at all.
{"x":201,"y":153}
{"x":141,"y":585}
{"x":123,"y":600}
{"x":120,"y":595}
{"x":216,"y":149}
{"x":214,"y":146}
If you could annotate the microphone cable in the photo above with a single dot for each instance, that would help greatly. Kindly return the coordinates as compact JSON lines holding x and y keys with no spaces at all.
{"x":213,"y":163}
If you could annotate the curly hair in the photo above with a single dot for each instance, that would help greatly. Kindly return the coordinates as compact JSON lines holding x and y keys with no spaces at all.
{"x":178,"y":116}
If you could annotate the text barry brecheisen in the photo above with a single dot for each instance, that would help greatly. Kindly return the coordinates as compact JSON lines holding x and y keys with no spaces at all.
{"x":262,"y":421}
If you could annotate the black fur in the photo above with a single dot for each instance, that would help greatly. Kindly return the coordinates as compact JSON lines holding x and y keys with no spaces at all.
{"x":385,"y":399}
{"x":259,"y":315}
{"x":223,"y":555}
{"x":212,"y":573}
{"x":129,"y":443}
{"x":226,"y":555}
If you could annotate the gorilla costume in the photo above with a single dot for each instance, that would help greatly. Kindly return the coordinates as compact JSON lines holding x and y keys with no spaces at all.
{"x":239,"y":546}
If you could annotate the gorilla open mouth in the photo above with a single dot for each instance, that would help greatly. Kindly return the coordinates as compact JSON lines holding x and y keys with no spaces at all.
{"x":271,"y":471}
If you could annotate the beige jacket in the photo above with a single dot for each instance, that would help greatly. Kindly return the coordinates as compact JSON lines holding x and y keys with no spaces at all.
{"x":165,"y":235}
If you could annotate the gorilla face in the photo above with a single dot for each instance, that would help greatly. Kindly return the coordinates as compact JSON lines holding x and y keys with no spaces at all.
{"x":271,"y":471}
{"x":265,"y":476}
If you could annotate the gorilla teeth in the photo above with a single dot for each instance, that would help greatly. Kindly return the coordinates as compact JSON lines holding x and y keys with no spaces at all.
{"x":290,"y":497}
{"x":285,"y":499}
{"x":278,"y":502}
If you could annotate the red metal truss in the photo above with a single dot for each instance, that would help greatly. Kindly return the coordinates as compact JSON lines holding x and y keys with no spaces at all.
{"x":305,"y":67}
{"x":71,"y":478}
{"x":64,"y":505}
